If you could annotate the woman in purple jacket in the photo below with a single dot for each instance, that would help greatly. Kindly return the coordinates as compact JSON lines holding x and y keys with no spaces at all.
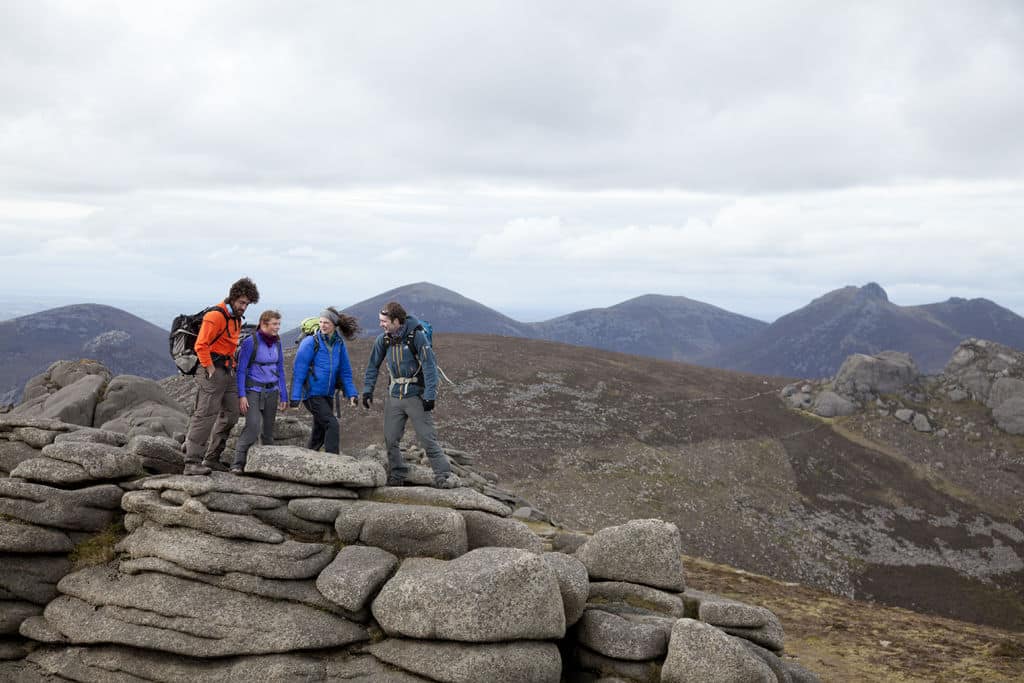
{"x":261,"y":389}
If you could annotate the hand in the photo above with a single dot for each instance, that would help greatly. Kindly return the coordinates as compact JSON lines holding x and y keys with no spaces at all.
{"x":283,"y":405}
{"x":293,"y":404}
{"x":367,"y":400}
{"x":353,"y":401}
{"x":243,"y":405}
{"x":428,"y":405}
{"x":210,"y":369}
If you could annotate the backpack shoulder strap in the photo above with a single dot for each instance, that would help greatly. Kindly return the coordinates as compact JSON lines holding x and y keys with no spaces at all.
{"x":410,"y":340}
{"x":255,"y":348}
{"x":227,"y":319}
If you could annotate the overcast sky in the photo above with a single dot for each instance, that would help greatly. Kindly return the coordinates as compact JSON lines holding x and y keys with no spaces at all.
{"x":539,"y":157}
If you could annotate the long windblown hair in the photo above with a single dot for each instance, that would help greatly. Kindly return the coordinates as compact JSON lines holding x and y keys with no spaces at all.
{"x":347,"y":326}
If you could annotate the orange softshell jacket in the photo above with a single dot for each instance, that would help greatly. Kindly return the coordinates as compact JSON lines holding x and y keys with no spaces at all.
{"x":217,"y":335}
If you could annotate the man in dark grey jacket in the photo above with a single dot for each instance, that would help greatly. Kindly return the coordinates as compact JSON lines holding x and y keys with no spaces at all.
{"x":411,"y":393}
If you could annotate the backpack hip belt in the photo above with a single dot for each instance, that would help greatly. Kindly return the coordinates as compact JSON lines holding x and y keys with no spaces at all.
{"x":263,"y":385}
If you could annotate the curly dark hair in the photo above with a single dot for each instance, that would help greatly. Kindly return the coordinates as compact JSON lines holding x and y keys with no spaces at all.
{"x":346,"y":325}
{"x":244,"y":287}
{"x":394,"y":310}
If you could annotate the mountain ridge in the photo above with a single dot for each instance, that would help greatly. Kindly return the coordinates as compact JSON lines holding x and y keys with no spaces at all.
{"x":120,"y":340}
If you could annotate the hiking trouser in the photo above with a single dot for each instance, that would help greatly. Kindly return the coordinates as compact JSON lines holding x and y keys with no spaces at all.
{"x":396,"y":412}
{"x":262,"y":412}
{"x":326,"y":430}
{"x":216,"y":412}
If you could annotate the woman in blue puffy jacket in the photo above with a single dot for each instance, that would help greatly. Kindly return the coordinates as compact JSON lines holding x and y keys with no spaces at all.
{"x":321,"y":368}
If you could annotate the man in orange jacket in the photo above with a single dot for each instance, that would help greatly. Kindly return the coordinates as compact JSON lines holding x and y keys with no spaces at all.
{"x":216,"y":409}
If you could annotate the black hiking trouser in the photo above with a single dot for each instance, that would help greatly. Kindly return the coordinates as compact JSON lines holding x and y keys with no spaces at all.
{"x":326,"y":430}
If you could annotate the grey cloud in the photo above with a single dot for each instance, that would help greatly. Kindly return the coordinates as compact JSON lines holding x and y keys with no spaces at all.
{"x":336,"y":94}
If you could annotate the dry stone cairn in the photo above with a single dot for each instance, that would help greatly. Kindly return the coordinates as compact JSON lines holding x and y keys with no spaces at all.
{"x":309,"y":568}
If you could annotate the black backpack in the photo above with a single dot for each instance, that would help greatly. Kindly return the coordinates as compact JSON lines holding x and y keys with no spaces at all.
{"x":184,"y":331}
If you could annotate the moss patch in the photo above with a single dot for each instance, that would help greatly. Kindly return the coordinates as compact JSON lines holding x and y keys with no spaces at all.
{"x":98,"y":549}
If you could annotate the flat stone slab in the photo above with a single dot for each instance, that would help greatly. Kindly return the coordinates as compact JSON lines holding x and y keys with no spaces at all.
{"x":355,"y":575}
{"x":720,"y":611}
{"x":170,"y":614}
{"x":700,"y":652}
{"x":87,"y":509}
{"x":236,"y":503}
{"x":282,"y":519}
{"x":304,"y":591}
{"x":635,"y":595}
{"x":77,"y":462}
{"x":486,"y":595}
{"x":292,"y":463}
{"x":39,"y":630}
{"x":404,"y":530}
{"x":325,"y":510}
{"x":202,"y":552}
{"x":11,"y":422}
{"x":13,"y":453}
{"x":101,"y":662}
{"x":460,"y":499}
{"x":36,"y":438}
{"x":484,"y":530}
{"x":19,"y":537}
{"x":93,"y":435}
{"x":518,"y":662}
{"x":13,"y":612}
{"x":158,"y":453}
{"x":617,"y":669}
{"x":770,"y":636}
{"x":646,"y":551}
{"x":32,"y":578}
{"x":620,"y":638}
{"x":193,"y":514}
{"x":224,"y":482}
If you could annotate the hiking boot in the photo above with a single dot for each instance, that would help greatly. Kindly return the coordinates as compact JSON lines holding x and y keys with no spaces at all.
{"x":395,"y":481}
{"x":216,"y":465}
{"x":237,"y":469}
{"x":449,"y":482}
{"x":194,"y":469}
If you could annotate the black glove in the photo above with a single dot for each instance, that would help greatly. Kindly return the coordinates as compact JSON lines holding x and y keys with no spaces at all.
{"x":367,"y":400}
{"x":293,"y":404}
{"x":428,"y":405}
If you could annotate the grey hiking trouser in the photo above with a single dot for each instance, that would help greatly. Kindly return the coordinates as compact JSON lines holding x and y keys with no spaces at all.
{"x":215,"y":414}
{"x":396,"y":412}
{"x":262,"y":412}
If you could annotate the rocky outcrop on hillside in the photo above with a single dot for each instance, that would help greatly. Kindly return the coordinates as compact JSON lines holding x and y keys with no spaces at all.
{"x":984,"y":371}
{"x":992,"y":374}
{"x":85,"y":393}
{"x":308,"y":568}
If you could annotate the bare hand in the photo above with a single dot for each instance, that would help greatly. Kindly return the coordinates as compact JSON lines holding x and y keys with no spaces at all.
{"x":243,"y":405}
{"x":210,"y":370}
{"x":353,"y":401}
{"x":283,"y":405}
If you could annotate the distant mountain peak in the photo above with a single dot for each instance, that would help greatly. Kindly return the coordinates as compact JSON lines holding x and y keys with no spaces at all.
{"x":872,"y":291}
